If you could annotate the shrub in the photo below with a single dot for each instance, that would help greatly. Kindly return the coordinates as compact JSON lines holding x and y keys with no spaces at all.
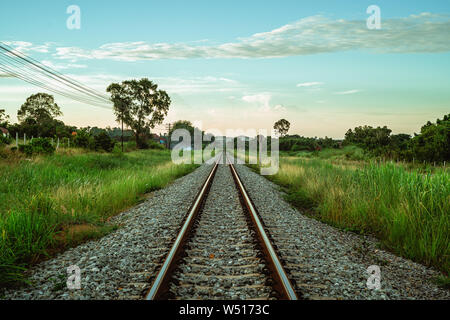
{"x":27,"y":149}
{"x":42,"y":146}
{"x":38,"y":146}
{"x":4,"y":140}
{"x":104,"y":142}
{"x":83,"y":139}
{"x":155,"y":145}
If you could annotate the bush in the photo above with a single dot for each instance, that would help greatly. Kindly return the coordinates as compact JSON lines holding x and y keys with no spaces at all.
{"x":38,"y":146}
{"x":27,"y":149}
{"x":4,"y":140}
{"x":104,"y":142}
{"x":83,"y":139}
{"x":155,"y":145}
{"x":43,"y":146}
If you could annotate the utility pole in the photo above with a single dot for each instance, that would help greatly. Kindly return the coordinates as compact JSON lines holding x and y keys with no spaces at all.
{"x":122,"y":129}
{"x":169,"y":128}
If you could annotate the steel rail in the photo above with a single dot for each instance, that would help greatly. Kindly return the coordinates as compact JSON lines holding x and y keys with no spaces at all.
{"x":161,"y":282}
{"x":282,"y":282}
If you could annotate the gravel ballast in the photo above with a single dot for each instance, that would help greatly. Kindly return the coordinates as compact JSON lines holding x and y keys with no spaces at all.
{"x":222,"y":259}
{"x":327,"y":263}
{"x":323,"y":262}
{"x":119,"y":265}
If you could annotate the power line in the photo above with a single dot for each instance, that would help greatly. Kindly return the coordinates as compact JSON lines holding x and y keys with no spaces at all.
{"x":32,"y":71}
{"x":51,"y":71}
{"x":36,"y":80}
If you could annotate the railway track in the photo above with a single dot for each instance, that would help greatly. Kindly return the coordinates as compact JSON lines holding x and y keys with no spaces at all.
{"x":222,"y":250}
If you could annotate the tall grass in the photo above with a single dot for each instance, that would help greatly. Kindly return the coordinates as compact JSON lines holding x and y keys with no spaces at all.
{"x":39,"y":198}
{"x":408,"y":210}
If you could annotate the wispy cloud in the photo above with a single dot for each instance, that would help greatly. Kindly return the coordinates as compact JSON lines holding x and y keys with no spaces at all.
{"x":423,"y":33}
{"x":262,"y":101}
{"x":198,"y":84}
{"x":309,"y":84}
{"x":348,"y":92}
{"x":24,"y":46}
{"x":63,"y":66}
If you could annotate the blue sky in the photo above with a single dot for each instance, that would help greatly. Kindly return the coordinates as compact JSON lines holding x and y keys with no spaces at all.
{"x":246,"y":64}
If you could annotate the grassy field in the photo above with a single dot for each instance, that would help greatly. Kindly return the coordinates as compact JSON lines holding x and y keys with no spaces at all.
{"x":406,"y":208}
{"x":50,"y":203}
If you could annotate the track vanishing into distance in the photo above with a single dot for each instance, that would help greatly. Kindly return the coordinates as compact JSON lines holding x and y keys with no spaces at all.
{"x":222,"y":250}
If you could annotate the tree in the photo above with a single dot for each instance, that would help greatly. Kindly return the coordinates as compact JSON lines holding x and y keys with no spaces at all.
{"x":134,"y":101}
{"x":433,"y":142}
{"x":4,"y":118}
{"x":182,"y":124}
{"x":372,"y":139}
{"x":282,"y":126}
{"x":103,"y":141}
{"x":39,"y":108}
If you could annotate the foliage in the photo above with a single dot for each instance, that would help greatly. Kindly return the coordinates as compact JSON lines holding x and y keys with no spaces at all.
{"x":375,"y":140}
{"x":4,"y":118}
{"x":4,"y":140}
{"x":40,"y":107}
{"x":42,"y":146}
{"x":83,"y":139}
{"x":282,"y":127}
{"x":134,"y":101}
{"x":27,"y":149}
{"x":38,"y":146}
{"x":433,"y":142}
{"x":406,"y":210}
{"x":182,"y":124}
{"x":40,"y":199}
{"x":155,"y":145}
{"x":431,"y":145}
{"x":103,"y":142}
{"x":298,"y":143}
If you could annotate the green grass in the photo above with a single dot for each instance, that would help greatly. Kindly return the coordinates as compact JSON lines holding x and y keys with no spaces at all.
{"x":408,"y":210}
{"x":41,"y":199}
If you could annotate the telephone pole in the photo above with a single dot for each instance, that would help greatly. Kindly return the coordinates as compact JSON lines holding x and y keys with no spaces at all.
{"x":122,"y":131}
{"x":169,"y":128}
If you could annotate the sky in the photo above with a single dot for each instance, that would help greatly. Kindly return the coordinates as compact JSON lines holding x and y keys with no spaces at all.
{"x":245,"y":64}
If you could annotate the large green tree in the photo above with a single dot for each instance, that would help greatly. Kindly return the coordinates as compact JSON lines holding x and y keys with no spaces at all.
{"x":39,"y":108}
{"x":433,"y":142}
{"x":182,"y":124}
{"x":37,"y":117}
{"x":282,"y":126}
{"x":140,"y":105}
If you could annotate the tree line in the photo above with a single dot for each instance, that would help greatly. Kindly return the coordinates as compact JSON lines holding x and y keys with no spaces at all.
{"x":134,"y":102}
{"x":432,"y":144}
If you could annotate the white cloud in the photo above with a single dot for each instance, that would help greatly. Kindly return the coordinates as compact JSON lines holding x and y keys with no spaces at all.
{"x":279,"y":107}
{"x":197,"y":84}
{"x":24,"y":46}
{"x":423,"y":33}
{"x":309,"y":84}
{"x":262,"y":101}
{"x":348,"y":92}
{"x":54,"y":66}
